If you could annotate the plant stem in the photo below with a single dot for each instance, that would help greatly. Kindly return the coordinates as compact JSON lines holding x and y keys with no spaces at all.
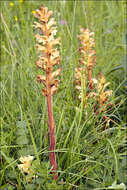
{"x":48,"y":57}
{"x":51,"y":126}
{"x":51,"y":123}
{"x":89,"y":79}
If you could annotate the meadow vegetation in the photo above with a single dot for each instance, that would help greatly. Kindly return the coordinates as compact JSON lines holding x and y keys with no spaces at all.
{"x":90,"y":153}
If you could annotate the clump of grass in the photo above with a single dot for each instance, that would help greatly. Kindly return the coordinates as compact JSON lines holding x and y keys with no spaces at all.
{"x":49,"y":57}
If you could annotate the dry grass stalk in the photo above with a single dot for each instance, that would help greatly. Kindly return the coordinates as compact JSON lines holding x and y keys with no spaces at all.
{"x":48,"y":58}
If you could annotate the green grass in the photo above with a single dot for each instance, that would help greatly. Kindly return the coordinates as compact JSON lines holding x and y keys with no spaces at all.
{"x":88,"y":157}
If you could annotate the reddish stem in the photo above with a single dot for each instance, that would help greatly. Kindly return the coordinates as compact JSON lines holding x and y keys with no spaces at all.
{"x":51,"y":123}
{"x":51,"y":126}
{"x":89,"y":79}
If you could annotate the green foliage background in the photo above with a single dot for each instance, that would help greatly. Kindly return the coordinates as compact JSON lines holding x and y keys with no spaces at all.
{"x":88,"y":158}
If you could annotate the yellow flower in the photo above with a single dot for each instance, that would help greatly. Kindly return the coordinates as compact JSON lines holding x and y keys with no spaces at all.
{"x":21,"y":1}
{"x":26,"y":163}
{"x":33,"y":12}
{"x":16,"y":18}
{"x":11,"y":4}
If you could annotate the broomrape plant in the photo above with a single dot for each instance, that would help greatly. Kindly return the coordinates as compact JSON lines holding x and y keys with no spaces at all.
{"x":88,"y":52}
{"x":83,"y":76}
{"x":49,"y":57}
{"x":87,"y":60}
{"x":90,"y":149}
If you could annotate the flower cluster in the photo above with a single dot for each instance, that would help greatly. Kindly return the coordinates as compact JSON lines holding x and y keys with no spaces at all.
{"x":87,"y":86}
{"x":80,"y":80}
{"x":87,"y":48}
{"x":88,"y":55}
{"x":26,"y":164}
{"x":49,"y":53}
{"x":101,"y":94}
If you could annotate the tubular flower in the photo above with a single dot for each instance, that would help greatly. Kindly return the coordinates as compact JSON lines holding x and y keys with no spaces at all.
{"x":49,"y":57}
{"x":88,"y":87}
{"x":79,"y":80}
{"x":26,"y":163}
{"x":49,"y":54}
{"x":102,"y":94}
{"x":83,"y":76}
{"x":87,"y":50}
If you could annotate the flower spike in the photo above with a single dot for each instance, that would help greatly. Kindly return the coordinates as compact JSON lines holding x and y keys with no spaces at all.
{"x":49,"y":57}
{"x":96,"y":90}
{"x":87,"y":50}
